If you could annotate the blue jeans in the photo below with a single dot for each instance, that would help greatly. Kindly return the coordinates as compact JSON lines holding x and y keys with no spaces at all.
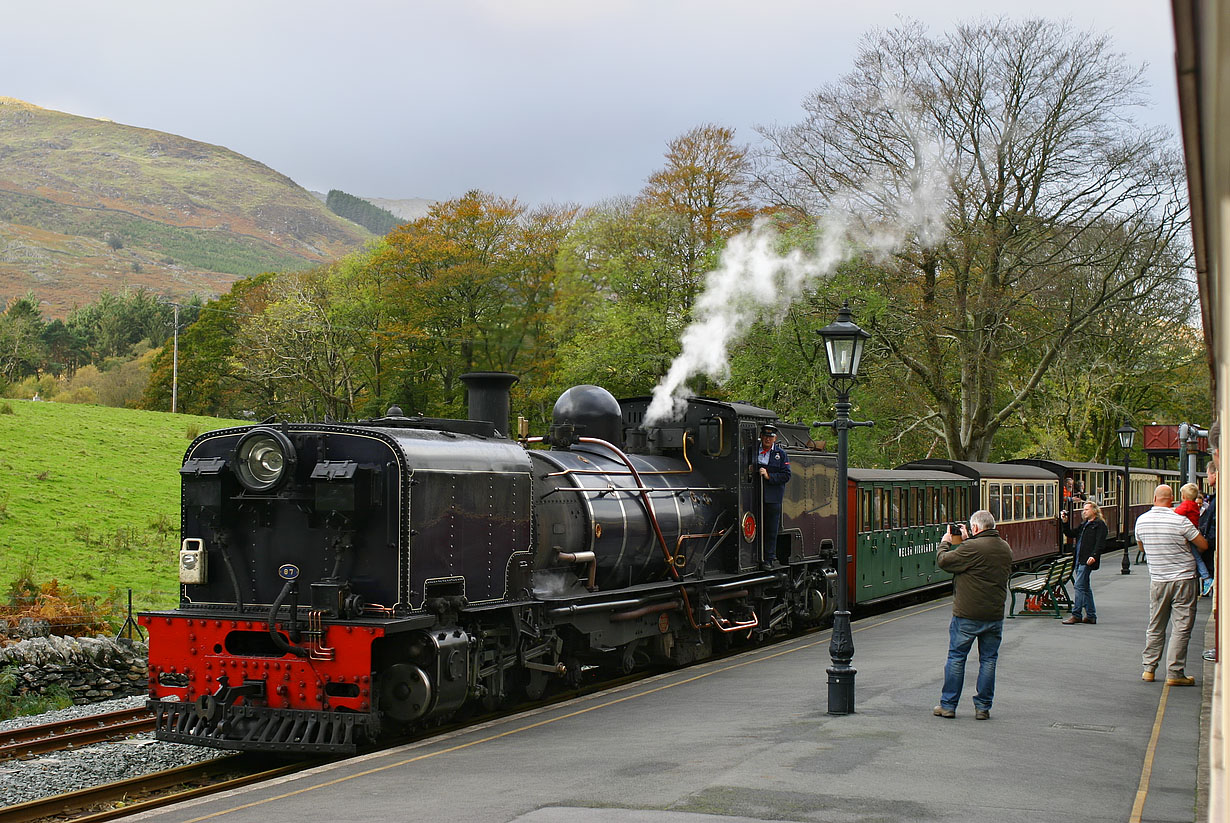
{"x":961,"y":636}
{"x":1083,"y":602}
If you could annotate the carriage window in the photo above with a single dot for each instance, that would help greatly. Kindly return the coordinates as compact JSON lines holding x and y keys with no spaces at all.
{"x":1030,"y":511}
{"x":864,"y":521}
{"x":895,"y":513}
{"x":945,"y":503}
{"x":877,"y":509}
{"x":993,"y":500}
{"x":915,"y":514}
{"x":933,"y":504}
{"x":1018,"y":501}
{"x":1051,"y":493}
{"x":962,"y":504}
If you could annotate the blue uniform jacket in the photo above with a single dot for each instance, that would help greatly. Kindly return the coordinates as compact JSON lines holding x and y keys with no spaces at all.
{"x":774,"y":488}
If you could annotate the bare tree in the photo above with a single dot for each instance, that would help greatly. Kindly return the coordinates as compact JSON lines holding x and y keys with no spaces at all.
{"x":1055,"y":206}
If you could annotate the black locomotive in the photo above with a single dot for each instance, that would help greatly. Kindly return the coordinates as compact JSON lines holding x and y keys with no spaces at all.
{"x":343,"y":582}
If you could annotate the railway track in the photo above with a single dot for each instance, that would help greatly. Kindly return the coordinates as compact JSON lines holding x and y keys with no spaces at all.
{"x":67,"y":734}
{"x":151,"y":791}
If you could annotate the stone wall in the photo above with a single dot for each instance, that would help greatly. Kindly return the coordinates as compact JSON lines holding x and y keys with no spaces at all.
{"x":89,"y":668}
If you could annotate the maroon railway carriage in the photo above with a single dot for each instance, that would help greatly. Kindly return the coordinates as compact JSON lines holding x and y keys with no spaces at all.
{"x":1140,"y":490}
{"x":1023,"y":499}
{"x":1099,"y":482}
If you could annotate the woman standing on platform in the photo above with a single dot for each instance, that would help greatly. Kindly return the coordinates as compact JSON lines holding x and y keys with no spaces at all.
{"x":1090,"y":541}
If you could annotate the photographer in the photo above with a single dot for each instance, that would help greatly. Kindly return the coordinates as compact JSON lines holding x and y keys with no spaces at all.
{"x":1090,"y":541}
{"x":980,"y":563}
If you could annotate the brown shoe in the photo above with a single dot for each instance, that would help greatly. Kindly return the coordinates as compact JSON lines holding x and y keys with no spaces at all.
{"x":940,"y":711}
{"x":1071,"y":620}
{"x":1147,"y":677}
{"x":982,"y":714}
{"x":1180,"y":681}
{"x":1091,"y":620}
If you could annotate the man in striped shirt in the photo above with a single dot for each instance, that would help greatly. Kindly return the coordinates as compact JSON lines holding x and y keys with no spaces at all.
{"x":1172,"y":585}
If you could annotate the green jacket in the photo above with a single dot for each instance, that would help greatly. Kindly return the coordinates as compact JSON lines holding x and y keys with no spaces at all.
{"x":980,"y":569}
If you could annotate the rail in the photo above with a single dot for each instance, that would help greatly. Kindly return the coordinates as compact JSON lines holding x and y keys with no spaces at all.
{"x":67,"y":734}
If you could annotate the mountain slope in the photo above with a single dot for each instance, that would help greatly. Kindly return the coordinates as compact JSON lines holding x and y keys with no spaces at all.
{"x":89,"y":204}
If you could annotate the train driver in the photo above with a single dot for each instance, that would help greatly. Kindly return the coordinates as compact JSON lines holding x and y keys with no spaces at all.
{"x":773,"y":467}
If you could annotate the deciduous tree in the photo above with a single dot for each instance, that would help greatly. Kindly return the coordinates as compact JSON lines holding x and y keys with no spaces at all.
{"x":1057,"y":207}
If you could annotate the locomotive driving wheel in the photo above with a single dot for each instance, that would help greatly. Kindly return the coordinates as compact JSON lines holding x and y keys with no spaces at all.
{"x":405,"y":692}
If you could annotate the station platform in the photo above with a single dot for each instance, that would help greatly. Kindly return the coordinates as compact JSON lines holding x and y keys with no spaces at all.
{"x":1074,"y":735}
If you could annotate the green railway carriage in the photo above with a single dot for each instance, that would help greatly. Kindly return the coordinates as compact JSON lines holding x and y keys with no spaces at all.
{"x":899,"y":518}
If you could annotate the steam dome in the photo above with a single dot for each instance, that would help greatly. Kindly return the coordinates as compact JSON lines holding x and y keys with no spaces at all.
{"x":594,"y":412}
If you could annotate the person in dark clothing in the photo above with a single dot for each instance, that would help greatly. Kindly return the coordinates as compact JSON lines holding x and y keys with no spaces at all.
{"x":1090,"y":541}
{"x":771,"y":464}
{"x":980,"y":566}
{"x":1208,"y":527}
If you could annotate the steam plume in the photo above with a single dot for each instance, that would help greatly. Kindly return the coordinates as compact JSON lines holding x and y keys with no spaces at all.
{"x":754,"y":282}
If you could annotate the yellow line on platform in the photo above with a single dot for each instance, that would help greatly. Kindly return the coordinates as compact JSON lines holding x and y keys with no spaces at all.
{"x":1146,"y":771}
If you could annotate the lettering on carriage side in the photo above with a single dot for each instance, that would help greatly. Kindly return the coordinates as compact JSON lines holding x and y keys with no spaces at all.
{"x":914,"y":551}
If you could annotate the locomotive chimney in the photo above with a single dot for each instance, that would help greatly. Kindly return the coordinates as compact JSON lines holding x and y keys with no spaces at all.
{"x":488,"y":397}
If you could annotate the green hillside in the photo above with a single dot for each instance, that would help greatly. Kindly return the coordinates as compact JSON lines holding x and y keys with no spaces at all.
{"x":89,"y":495}
{"x":88,"y":204}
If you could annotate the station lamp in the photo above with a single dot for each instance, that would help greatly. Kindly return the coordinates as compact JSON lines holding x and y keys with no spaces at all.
{"x":843,"y":343}
{"x":1126,"y":434}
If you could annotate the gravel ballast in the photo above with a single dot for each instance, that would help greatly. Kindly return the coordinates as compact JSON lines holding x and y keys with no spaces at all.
{"x":71,"y":770}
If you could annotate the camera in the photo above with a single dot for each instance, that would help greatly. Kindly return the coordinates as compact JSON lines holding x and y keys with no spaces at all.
{"x":954,"y":529}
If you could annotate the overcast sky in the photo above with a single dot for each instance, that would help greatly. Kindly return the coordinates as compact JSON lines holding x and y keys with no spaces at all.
{"x":543,"y":100}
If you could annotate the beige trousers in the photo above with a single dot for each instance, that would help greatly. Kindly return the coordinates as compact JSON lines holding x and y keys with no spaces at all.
{"x":1167,"y":599}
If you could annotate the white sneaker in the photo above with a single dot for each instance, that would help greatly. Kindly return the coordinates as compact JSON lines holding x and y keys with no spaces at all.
{"x":1206,"y":587}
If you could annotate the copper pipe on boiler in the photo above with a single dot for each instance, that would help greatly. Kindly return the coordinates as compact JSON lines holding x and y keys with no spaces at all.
{"x":582,"y":557}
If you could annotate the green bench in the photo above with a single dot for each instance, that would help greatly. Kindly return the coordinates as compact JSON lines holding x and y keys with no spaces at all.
{"x":1049,"y":587}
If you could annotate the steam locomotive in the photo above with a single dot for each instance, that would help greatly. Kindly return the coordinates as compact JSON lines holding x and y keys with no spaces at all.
{"x":343,"y":582}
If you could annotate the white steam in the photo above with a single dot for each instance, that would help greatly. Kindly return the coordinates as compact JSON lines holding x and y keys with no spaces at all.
{"x":754,"y":282}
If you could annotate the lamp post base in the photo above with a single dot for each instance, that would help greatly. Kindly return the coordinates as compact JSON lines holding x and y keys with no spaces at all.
{"x":841,"y":690}
{"x":1126,"y":568}
{"x":841,"y":675}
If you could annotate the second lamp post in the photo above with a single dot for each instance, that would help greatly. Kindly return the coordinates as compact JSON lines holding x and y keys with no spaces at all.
{"x":1126,"y":435}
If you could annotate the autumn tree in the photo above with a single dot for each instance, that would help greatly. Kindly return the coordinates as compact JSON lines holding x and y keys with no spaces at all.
{"x":1052,"y":206}
{"x":707,"y":183}
{"x":471,"y":285}
{"x":631,"y":269}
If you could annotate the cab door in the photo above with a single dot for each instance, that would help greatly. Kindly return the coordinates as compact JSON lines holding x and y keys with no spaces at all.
{"x":750,"y":514}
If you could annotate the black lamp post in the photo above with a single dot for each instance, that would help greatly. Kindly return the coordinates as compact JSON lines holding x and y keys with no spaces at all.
{"x":1126,"y":435}
{"x":843,"y":343}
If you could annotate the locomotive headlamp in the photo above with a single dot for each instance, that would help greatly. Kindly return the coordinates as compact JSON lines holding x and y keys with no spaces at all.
{"x":264,"y":459}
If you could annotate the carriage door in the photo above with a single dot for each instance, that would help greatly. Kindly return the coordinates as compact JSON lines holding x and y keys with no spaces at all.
{"x":913,"y":499}
{"x":876,"y":577}
{"x":750,"y":515}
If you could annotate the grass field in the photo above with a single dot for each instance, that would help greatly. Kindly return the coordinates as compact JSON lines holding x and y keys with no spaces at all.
{"x":89,"y":495}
